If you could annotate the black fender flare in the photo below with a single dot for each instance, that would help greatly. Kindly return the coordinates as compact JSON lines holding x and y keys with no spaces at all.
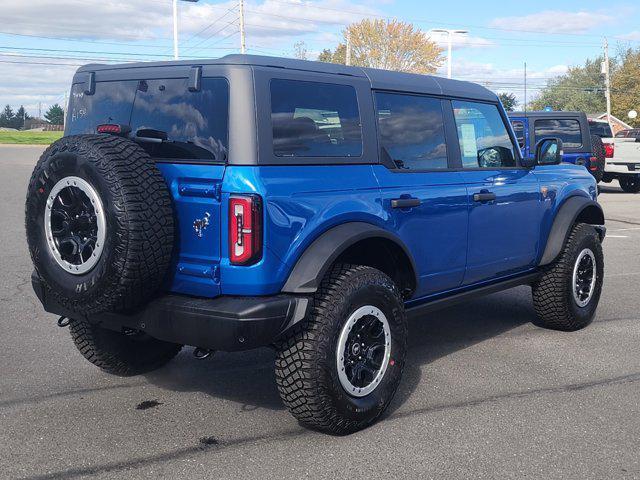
{"x":566,"y":217}
{"x":309,"y":270}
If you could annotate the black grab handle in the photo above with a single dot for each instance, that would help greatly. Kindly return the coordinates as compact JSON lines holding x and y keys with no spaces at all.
{"x":405,"y":202}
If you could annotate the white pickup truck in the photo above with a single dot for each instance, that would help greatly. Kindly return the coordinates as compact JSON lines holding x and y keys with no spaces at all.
{"x":622,"y":155}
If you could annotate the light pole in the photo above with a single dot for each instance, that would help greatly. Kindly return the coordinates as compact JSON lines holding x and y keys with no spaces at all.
{"x":450,"y":34}
{"x":175,"y":26}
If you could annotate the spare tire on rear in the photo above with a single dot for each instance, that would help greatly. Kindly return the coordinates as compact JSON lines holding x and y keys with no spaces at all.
{"x":599,"y":159}
{"x":99,"y":223}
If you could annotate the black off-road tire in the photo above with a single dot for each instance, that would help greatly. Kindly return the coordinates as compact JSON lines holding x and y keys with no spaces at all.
{"x":630,"y":184}
{"x":306,"y":369}
{"x":119,"y":353}
{"x":599,"y":154}
{"x":139,"y":223}
{"x":553,"y":296}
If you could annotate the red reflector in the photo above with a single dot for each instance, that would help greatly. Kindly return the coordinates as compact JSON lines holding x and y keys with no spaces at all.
{"x":593,"y":167}
{"x":245,"y":229}
{"x":608,"y":150}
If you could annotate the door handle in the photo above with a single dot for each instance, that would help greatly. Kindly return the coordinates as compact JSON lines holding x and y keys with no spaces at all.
{"x":484,"y":196}
{"x":405,"y":202}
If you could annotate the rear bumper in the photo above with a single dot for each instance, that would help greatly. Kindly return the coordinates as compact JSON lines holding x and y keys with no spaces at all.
{"x":622,"y":168}
{"x":222,"y":323}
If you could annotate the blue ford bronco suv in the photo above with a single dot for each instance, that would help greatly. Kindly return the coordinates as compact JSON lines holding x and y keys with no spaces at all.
{"x":251,"y":201}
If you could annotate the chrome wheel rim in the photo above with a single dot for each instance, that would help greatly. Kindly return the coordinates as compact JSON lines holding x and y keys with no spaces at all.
{"x":363,"y":351}
{"x":584,"y":277}
{"x":75,"y":226}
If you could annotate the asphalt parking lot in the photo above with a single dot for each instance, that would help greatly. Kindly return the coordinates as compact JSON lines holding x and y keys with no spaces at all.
{"x":485,"y":394}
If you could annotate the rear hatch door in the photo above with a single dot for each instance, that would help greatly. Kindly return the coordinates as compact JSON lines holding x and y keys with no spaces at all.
{"x":183,"y":126}
{"x":185,"y":131}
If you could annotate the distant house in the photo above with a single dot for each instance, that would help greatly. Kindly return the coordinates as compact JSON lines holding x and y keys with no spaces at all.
{"x":615,"y":122}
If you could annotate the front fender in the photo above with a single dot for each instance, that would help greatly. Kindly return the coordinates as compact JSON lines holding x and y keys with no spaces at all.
{"x":568,"y":213}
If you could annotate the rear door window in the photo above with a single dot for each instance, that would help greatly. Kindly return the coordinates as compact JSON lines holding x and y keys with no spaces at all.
{"x":171,"y":122}
{"x":567,"y":130}
{"x":411,"y":131}
{"x":311,"y":119}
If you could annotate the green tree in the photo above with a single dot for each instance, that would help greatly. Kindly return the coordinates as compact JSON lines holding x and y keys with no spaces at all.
{"x":55,"y":115}
{"x":7,"y":117}
{"x":339,"y":55}
{"x":300,"y":50}
{"x":387,"y":44}
{"x":20,"y":117}
{"x":581,"y":88}
{"x":508,"y":100}
{"x":625,"y":87}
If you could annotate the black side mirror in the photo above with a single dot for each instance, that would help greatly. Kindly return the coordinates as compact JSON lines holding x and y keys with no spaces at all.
{"x":549,"y":151}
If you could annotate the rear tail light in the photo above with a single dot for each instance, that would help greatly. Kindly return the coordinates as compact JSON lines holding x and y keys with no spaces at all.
{"x":608,"y":150}
{"x":245,"y":229}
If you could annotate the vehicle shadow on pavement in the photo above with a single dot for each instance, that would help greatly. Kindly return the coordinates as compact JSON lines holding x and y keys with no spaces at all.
{"x":603,"y":189}
{"x":248,"y":378}
{"x":444,"y":332}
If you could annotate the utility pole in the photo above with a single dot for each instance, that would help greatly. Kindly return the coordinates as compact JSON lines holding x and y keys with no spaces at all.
{"x":525,"y":87}
{"x":175,"y":27}
{"x":64,"y":112}
{"x":348,"y":52}
{"x":450,"y":34}
{"x":607,"y":78}
{"x":243,"y":48}
{"x":39,"y":110}
{"x":175,"y":30}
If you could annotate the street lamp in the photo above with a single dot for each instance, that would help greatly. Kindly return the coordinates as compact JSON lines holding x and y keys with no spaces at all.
{"x":175,"y":26}
{"x":450,"y":34}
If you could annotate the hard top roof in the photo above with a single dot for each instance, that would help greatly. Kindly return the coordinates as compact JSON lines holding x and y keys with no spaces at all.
{"x":379,"y":79}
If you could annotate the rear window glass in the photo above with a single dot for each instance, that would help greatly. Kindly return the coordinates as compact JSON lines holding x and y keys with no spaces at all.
{"x":601,"y":129}
{"x":171,"y":122}
{"x":312,"y":119}
{"x":111,"y":103}
{"x":567,"y":130}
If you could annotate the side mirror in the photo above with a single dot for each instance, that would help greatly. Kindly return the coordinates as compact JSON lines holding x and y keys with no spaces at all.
{"x":549,"y":151}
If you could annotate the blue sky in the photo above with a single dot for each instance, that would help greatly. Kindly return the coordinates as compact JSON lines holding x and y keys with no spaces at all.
{"x":42,"y":41}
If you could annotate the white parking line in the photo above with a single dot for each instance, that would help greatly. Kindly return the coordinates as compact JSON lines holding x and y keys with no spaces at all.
{"x":624,"y":229}
{"x":617,"y":236}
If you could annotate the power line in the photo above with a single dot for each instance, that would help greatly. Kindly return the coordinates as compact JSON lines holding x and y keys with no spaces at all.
{"x":214,"y":34}
{"x":197,"y":34}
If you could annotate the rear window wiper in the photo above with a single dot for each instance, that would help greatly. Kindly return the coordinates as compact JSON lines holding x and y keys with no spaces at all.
{"x":151,"y":135}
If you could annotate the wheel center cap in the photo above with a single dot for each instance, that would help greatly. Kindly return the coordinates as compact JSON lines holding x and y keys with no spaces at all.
{"x":355,"y":349}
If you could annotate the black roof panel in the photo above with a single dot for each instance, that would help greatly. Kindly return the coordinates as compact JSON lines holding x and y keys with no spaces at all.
{"x":380,"y":79}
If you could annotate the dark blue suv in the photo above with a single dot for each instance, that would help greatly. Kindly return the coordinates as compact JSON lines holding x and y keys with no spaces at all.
{"x":251,"y":201}
{"x":580,"y":147}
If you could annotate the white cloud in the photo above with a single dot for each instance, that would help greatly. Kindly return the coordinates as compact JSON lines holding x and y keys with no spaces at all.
{"x":152,"y":19}
{"x":28,"y":84}
{"x":460,"y":40}
{"x":630,"y":37}
{"x":555,"y":21}
{"x":509,"y":80}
